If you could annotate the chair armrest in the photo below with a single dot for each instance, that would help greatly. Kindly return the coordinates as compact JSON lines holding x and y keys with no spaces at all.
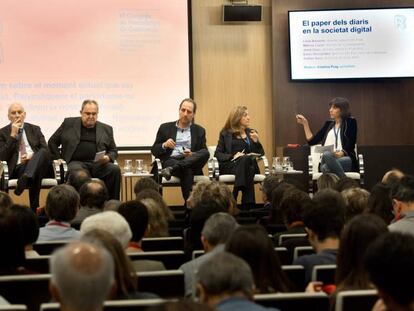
{"x":211,"y":168}
{"x":58,"y":169}
{"x":216,"y":169}
{"x":159,"y":165}
{"x":266,"y":165}
{"x":5,"y":175}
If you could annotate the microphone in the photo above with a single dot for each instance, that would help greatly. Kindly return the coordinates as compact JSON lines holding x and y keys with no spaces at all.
{"x":182,"y":130}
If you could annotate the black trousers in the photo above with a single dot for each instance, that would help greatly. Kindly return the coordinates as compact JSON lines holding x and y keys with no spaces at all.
{"x":244,"y":169}
{"x":186,"y":168}
{"x":37,"y":168}
{"x":109,"y":173}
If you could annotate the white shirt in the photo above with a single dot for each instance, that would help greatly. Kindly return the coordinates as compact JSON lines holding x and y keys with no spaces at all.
{"x":27,"y":145}
{"x":334,"y":135}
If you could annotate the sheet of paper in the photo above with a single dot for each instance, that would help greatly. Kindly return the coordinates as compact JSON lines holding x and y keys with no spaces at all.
{"x":322,"y":149}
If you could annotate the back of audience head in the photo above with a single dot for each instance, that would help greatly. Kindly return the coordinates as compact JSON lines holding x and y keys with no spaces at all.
{"x":157,"y":219}
{"x":77,"y":178}
{"x":136,"y":214}
{"x":356,"y":236}
{"x":157,"y":197}
{"x":293,"y":204}
{"x":93,"y":194}
{"x":346,"y":183}
{"x":62,"y":203}
{"x":380,"y":203}
{"x":28,"y":221}
{"x":327,"y":181}
{"x":392,"y":177}
{"x":217,"y":230}
{"x":145,"y":183}
{"x":389,"y":261}
{"x":181,"y":305}
{"x":252,"y":244}
{"x":82,"y":276}
{"x":5,"y":200}
{"x":111,"y":222}
{"x":124,"y":272}
{"x":12,"y":243}
{"x":277,"y":196}
{"x":224,"y":275}
{"x":195,"y":195}
{"x":112,"y":205}
{"x":326,"y":216}
{"x":213,"y":192}
{"x":404,"y":190}
{"x":270,"y":183}
{"x":356,"y":202}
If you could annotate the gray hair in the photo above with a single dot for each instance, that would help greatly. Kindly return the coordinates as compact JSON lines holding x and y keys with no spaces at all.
{"x":111,"y":222}
{"x":83,"y":274}
{"x":226,"y":273}
{"x":89,"y":102}
{"x":218,"y":228}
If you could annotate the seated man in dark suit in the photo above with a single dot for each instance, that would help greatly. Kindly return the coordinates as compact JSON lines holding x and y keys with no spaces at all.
{"x":81,"y":138}
{"x":181,"y":147}
{"x":24,"y":148}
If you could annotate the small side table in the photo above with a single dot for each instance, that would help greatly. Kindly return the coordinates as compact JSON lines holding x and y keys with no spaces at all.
{"x":128,"y":182}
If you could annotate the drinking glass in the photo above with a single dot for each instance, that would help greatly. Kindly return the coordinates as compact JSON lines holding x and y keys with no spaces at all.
{"x":277,"y":164}
{"x":139,"y":166}
{"x":128,"y":166}
{"x":285,"y":163}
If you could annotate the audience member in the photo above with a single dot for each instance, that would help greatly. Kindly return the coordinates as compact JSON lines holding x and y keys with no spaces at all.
{"x":275,"y":216}
{"x":252,"y":244}
{"x":225,"y":282}
{"x":145,"y":183}
{"x":180,"y":305}
{"x":389,"y":261}
{"x":136,"y":214}
{"x":5,"y":200}
{"x":270,"y":183}
{"x":292,"y":207}
{"x":111,"y":222}
{"x":356,"y":202}
{"x":125,"y":277}
{"x":356,"y":236}
{"x":158,"y":212}
{"x":392,"y":177}
{"x":78,"y":177}
{"x":30,"y":227}
{"x":82,"y":277}
{"x":346,"y":183}
{"x":12,"y":258}
{"x":217,"y":230}
{"x":402,"y":196}
{"x":112,"y":205}
{"x":214,"y":199}
{"x":195,"y":195}
{"x":327,"y":181}
{"x":93,"y":196}
{"x":380,"y":203}
{"x":62,"y":205}
{"x":323,"y":221}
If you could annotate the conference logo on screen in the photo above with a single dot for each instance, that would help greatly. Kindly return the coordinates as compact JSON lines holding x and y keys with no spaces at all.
{"x":400,"y":22}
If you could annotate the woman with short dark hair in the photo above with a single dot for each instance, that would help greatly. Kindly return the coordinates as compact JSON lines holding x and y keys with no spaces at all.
{"x":341,"y":132}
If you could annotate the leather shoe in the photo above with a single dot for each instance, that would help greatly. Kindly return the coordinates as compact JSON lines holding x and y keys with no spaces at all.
{"x":22,"y":183}
{"x":166,"y":172}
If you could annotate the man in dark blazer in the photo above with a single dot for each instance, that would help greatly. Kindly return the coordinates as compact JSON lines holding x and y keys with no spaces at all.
{"x":181,"y":147}
{"x":88,"y":144}
{"x":24,"y":148}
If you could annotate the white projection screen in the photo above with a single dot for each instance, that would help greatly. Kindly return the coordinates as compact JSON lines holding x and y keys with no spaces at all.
{"x":352,"y":44}
{"x":131,"y":56}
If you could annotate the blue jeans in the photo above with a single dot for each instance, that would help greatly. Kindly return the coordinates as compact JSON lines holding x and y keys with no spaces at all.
{"x":338,"y":166}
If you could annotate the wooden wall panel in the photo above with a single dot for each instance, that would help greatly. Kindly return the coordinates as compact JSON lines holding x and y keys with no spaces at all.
{"x":383,"y":108}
